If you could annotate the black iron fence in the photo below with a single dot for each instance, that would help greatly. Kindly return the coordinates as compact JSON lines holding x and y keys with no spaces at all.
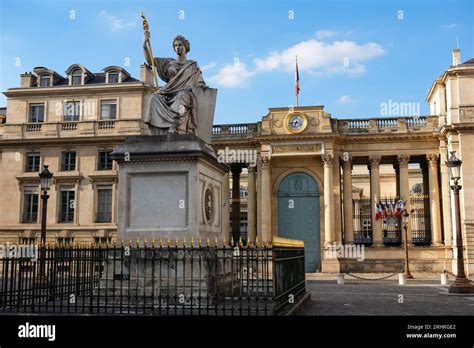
{"x":362,"y":222}
{"x":420,"y":220}
{"x":392,"y":232}
{"x":169,"y":278}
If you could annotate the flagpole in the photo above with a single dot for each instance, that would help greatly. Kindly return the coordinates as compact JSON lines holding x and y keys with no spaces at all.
{"x":297,"y":82}
{"x":145,"y":29}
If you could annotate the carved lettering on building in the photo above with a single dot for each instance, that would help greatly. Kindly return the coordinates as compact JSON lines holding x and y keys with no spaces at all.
{"x":298,"y":148}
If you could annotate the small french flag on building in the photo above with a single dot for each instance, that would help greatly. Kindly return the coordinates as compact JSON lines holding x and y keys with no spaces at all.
{"x":297,"y":81}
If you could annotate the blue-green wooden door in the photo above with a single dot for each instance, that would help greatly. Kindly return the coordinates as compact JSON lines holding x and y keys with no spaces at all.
{"x":298,"y":215}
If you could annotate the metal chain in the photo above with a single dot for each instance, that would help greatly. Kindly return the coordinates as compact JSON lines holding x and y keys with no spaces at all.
{"x":361,"y":278}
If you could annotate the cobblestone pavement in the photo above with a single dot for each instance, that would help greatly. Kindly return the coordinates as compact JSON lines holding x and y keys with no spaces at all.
{"x":421,"y":296}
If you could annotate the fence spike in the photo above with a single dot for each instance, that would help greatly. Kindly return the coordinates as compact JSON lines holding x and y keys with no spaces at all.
{"x":144,"y":242}
{"x":192,"y":242}
{"x":161,"y":242}
{"x":200,"y":242}
{"x":216,"y":242}
{"x":176,"y":242}
{"x":138,"y":242}
{"x":184,"y":242}
{"x":208,"y":242}
{"x":232,"y":240}
{"x":240,"y":242}
{"x":169,"y":242}
{"x":223,"y":242}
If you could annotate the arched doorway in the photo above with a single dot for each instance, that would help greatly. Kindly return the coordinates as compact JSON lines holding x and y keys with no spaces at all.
{"x":298,"y":215}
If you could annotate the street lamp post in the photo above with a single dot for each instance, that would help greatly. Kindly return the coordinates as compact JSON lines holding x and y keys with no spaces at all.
{"x":461,"y":284}
{"x":45,"y":182}
{"x":405,"y":216}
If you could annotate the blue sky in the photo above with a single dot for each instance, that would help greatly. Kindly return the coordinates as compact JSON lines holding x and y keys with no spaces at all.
{"x":353,"y":55}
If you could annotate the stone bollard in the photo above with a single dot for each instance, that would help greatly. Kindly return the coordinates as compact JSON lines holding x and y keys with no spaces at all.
{"x":340,"y":278}
{"x":444,"y":278}
{"x":402,"y":279}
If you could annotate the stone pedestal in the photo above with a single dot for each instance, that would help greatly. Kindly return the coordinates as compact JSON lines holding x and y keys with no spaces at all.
{"x":170,"y":186}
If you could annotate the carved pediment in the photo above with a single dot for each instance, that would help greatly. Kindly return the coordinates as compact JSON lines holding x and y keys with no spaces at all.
{"x":302,"y":120}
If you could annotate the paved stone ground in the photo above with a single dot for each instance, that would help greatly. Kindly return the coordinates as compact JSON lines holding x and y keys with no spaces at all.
{"x":421,"y":296}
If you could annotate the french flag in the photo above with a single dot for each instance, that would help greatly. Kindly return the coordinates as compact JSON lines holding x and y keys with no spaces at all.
{"x":297,"y":79}
{"x":378,"y":211}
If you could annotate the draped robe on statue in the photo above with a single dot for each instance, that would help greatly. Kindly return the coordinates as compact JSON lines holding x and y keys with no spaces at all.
{"x":173,"y":107}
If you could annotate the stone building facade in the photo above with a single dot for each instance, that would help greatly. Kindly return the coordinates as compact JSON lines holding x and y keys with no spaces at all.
{"x":299,"y":174}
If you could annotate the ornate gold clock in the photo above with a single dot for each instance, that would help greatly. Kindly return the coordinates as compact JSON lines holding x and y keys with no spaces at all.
{"x":296,"y":122}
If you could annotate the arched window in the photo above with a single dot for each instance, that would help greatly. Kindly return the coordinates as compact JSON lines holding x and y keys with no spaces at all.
{"x":76,"y":77}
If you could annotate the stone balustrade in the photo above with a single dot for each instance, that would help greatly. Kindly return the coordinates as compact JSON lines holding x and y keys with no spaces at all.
{"x":347,"y":126}
{"x":70,"y":129}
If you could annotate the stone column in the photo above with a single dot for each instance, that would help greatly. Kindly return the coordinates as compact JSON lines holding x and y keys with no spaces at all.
{"x":236,"y":170}
{"x":266,"y":200}
{"x":347,"y":193}
{"x":404,"y":186}
{"x":357,"y":226}
{"x":445,"y":194}
{"x":259,"y":198}
{"x":397,"y":178}
{"x":434,"y":199}
{"x":226,"y":207}
{"x":426,"y":191}
{"x":251,"y":206}
{"x":329,"y":233}
{"x":374,"y":166}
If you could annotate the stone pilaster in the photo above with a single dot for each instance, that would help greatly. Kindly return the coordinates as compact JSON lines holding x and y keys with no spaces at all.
{"x":404,"y":187}
{"x":329,"y":233}
{"x":434,"y":198}
{"x":266,"y":199}
{"x":347,"y":197}
{"x":374,"y":167}
{"x":251,"y":206}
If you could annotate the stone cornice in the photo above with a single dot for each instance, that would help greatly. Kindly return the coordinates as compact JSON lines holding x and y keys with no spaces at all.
{"x":63,"y":90}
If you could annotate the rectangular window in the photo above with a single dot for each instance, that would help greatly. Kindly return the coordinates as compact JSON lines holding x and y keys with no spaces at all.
{"x":36,"y":113}
{"x":65,"y":241}
{"x":28,"y":240}
{"x":104,"y":204}
{"x":105,"y":162}
{"x":108,"y":110}
{"x":72,"y":111}
{"x":113,"y":77}
{"x":32,"y":162}
{"x":30,"y":205}
{"x":102,"y":240}
{"x":68,"y":161}
{"x":76,"y":79}
{"x":45,"y":81}
{"x":66,"y":204}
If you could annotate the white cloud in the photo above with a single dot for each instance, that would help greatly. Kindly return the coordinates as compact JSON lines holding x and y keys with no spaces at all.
{"x":232,"y":75}
{"x":345,"y":99}
{"x":315,"y":57}
{"x":324,"y":34}
{"x":116,"y":23}
{"x":208,"y":66}
{"x":338,"y":57}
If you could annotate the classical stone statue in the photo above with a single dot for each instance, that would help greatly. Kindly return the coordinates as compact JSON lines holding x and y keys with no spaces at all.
{"x":172,"y":108}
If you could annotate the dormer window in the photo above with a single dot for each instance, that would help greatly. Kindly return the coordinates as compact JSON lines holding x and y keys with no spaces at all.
{"x":76,"y":77}
{"x":113,"y":77}
{"x":115,"y":74}
{"x":45,"y":81}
